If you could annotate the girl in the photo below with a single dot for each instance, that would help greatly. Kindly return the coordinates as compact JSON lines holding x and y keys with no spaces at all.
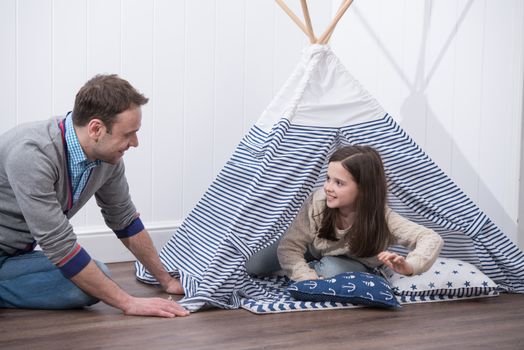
{"x":347,"y":226}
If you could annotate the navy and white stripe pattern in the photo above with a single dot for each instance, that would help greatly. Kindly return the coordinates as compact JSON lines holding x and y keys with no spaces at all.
{"x":261,"y":188}
{"x":250,"y":204}
{"x":411,"y":299}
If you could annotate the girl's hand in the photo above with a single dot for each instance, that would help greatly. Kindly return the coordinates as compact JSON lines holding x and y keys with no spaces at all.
{"x":173,"y":286}
{"x":395,"y":262}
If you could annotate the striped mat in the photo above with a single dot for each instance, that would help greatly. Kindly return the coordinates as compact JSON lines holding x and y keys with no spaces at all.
{"x":281,"y":301}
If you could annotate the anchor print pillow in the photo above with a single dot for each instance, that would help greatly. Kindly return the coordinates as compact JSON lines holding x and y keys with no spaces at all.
{"x":358,"y":288}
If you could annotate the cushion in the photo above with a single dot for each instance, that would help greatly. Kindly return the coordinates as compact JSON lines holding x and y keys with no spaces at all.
{"x":358,"y":288}
{"x":447,"y":278}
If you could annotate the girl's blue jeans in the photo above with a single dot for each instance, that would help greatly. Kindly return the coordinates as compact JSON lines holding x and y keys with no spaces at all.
{"x":265,"y":262}
{"x":31,"y":281}
{"x":329,"y":266}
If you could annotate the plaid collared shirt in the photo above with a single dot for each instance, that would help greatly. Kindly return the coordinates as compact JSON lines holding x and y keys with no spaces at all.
{"x":77,"y":163}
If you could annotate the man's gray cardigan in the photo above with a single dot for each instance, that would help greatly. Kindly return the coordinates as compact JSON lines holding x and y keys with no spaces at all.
{"x":35,"y":190}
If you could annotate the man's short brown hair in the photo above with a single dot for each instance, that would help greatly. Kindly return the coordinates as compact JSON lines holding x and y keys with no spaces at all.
{"x":103,"y":97}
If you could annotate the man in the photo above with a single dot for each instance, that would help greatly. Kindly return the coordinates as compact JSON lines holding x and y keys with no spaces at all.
{"x":48,"y":171}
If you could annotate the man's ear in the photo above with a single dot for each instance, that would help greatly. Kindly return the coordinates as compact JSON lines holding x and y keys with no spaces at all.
{"x":95,"y":128}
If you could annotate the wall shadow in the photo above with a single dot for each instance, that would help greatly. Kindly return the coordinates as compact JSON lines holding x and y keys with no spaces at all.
{"x":416,"y":103}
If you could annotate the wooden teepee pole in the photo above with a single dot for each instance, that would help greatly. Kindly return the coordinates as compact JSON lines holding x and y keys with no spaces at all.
{"x":327,"y":34}
{"x":294,"y":17}
{"x":307,"y":18}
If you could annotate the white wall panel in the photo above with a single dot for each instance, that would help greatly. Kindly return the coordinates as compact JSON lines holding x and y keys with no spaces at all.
{"x":499,"y":121}
{"x":390,"y":15}
{"x":34,"y":59}
{"x":199,"y":100}
{"x":450,"y":71}
{"x":69,"y":52}
{"x":259,"y":55}
{"x":321,"y":15}
{"x":167,"y":103}
{"x":438,"y":85}
{"x":104,"y":37}
{"x":230,"y":42}
{"x":8,"y":65}
{"x":137,"y":68}
{"x":518,"y":85}
{"x":414,"y":108}
{"x":468,"y":93}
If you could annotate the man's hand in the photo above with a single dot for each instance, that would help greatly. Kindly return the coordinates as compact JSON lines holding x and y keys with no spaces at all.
{"x":395,"y":262}
{"x":154,"y":307}
{"x":94,"y":282}
{"x":143,"y":249}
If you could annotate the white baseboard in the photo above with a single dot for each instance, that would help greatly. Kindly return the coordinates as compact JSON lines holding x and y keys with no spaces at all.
{"x":103,"y":245}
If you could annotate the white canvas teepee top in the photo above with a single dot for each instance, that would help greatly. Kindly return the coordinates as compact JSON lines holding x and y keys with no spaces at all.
{"x":320,"y":92}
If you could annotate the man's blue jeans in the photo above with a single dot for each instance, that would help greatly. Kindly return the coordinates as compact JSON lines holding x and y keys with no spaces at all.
{"x":31,"y":281}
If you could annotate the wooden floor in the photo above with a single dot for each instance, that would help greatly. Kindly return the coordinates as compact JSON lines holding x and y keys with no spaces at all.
{"x":490,"y":323}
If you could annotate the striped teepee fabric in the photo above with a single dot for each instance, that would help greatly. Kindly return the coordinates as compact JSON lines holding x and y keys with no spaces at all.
{"x":281,"y":160}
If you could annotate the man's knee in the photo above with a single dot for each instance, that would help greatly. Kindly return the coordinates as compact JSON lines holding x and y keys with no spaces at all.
{"x":77,"y":298}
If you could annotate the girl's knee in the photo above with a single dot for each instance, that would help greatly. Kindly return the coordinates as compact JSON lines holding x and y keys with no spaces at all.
{"x":329,"y":266}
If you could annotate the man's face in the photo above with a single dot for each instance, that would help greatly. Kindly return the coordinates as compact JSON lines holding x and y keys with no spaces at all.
{"x":110,"y":147}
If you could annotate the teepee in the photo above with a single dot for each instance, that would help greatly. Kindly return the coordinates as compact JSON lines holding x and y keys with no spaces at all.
{"x":281,"y":159}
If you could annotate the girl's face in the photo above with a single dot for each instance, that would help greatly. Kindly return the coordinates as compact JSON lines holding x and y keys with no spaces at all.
{"x":341,"y":188}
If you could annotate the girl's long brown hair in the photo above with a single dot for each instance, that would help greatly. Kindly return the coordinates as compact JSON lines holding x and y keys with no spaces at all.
{"x":369,"y":234}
